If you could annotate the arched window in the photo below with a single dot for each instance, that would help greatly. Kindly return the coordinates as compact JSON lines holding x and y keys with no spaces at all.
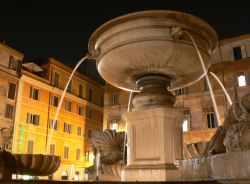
{"x":64,"y":175}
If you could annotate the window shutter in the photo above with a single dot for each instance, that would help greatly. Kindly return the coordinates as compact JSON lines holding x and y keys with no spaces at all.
{"x":31,"y":91}
{"x":28,"y":117}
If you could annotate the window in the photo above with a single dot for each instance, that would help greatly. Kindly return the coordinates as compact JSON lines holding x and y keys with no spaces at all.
{"x":64,"y":175}
{"x":33,"y":119}
{"x":68,"y":105}
{"x":13,"y":63}
{"x":66,"y":152}
{"x":89,"y":134}
{"x":211,"y":120}
{"x":77,"y":175}
{"x":241,"y":79}
{"x":114,"y":100}
{"x":78,"y":152}
{"x":5,"y":145}
{"x":69,"y":86}
{"x":67,"y":128}
{"x":12,"y":91}
{"x":114,"y":125}
{"x":237,"y":53}
{"x":56,"y":79}
{"x":52,"y":149}
{"x":53,"y":124}
{"x":30,"y":147}
{"x":90,"y":95}
{"x":90,"y":114}
{"x":80,"y":110}
{"x":9,"y":111}
{"x":186,"y":121}
{"x":34,"y":93}
{"x":55,"y":101}
{"x":79,"y":131}
{"x":181,"y":91}
{"x":80,"y":91}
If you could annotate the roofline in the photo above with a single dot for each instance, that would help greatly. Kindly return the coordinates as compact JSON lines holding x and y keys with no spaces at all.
{"x":11,"y":50}
{"x":235,"y":38}
{"x":56,"y":62}
{"x":34,"y":76}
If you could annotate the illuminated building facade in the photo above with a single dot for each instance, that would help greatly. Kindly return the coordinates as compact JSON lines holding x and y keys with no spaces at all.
{"x":10,"y":63}
{"x":230,"y":62}
{"x":36,"y":131}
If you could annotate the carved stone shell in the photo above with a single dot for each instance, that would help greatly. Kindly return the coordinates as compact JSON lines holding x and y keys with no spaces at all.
{"x":110,"y":145}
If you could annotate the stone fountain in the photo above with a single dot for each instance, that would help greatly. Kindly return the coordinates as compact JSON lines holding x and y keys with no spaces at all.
{"x":150,"y":53}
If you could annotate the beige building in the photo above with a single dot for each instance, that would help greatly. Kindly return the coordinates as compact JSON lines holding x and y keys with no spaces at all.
{"x":230,"y":62}
{"x":10,"y":62}
{"x":40,"y":90}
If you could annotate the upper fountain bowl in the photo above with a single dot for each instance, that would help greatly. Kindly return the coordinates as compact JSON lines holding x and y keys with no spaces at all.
{"x":152,"y":42}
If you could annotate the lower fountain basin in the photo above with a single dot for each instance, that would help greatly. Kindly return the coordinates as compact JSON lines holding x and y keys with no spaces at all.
{"x":37,"y":164}
{"x":27,"y":164}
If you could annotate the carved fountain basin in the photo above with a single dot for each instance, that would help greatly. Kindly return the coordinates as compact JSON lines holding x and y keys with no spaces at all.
{"x":144,"y":43}
{"x":36,"y":164}
{"x":27,"y":164}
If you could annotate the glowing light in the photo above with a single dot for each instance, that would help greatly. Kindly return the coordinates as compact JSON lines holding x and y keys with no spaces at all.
{"x":242,"y":80}
{"x":27,"y":177}
{"x":114,"y":126}
{"x":185,"y":125}
{"x":76,"y":177}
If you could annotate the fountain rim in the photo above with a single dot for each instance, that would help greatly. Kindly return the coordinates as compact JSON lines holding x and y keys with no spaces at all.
{"x":193,"y":20}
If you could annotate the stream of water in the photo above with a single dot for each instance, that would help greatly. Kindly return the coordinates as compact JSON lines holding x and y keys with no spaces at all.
{"x":60,"y":104}
{"x":223,"y":88}
{"x":206,"y":77}
{"x":125,"y":134}
{"x":97,"y":164}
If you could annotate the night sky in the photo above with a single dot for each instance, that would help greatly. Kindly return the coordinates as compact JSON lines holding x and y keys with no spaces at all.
{"x":61,"y":29}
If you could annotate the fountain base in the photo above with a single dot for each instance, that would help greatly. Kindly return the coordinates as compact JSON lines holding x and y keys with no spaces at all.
{"x":151,"y":173}
{"x":154,"y":144}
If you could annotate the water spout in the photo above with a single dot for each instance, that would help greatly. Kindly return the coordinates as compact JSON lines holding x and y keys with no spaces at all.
{"x":206,"y":77}
{"x":60,"y":103}
{"x":125,"y":134}
{"x":129,"y":100}
{"x":97,"y":164}
{"x":223,"y":88}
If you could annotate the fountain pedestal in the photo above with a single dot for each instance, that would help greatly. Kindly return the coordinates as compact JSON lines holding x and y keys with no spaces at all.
{"x":154,"y":144}
{"x":154,"y":132}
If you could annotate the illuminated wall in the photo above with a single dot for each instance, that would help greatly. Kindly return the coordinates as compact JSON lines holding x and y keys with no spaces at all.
{"x":10,"y":62}
{"x":38,"y":100}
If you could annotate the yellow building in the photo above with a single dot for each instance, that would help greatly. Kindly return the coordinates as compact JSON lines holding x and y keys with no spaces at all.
{"x":40,"y":90}
{"x":10,"y":62}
